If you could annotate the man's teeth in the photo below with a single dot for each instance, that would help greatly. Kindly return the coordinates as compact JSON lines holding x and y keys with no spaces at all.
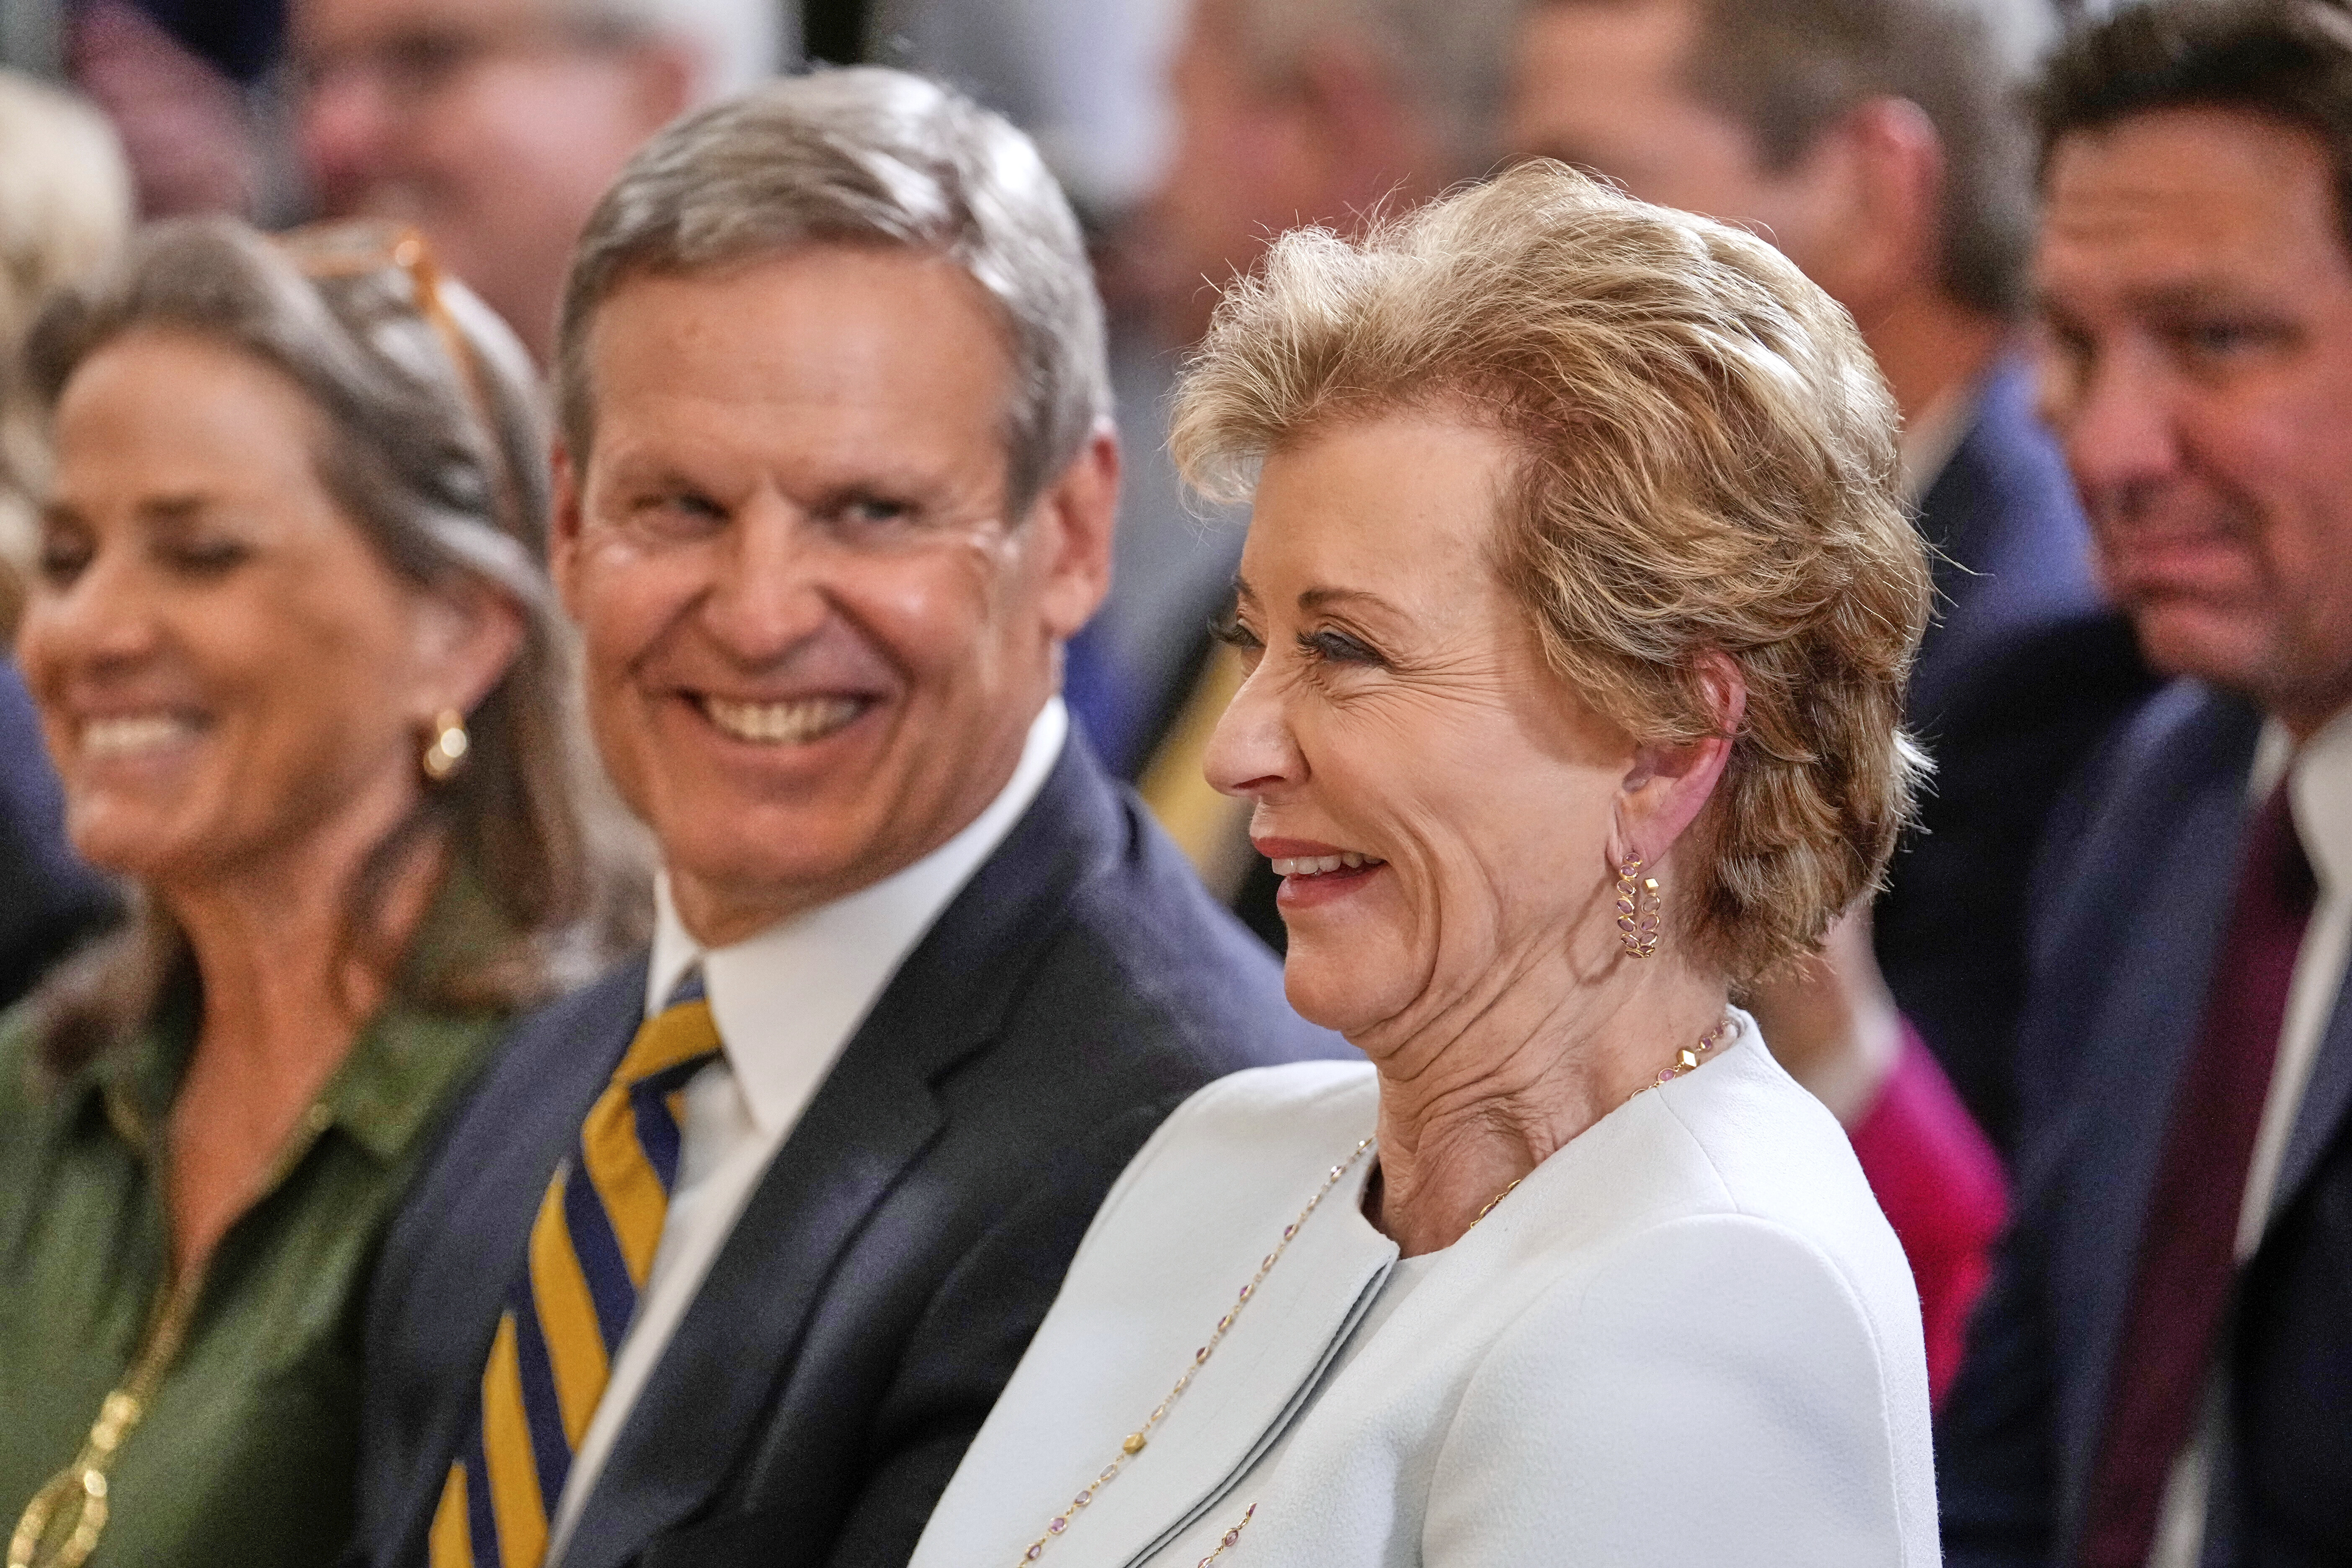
{"x":144,"y":732}
{"x":782,"y":723}
{"x":1316,"y":865}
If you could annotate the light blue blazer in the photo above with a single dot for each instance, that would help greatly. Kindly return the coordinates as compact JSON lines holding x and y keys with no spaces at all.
{"x":1688,"y":1340}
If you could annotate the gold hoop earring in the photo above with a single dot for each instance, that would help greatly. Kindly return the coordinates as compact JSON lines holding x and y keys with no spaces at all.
{"x":446,"y":751}
{"x":1638,"y":907}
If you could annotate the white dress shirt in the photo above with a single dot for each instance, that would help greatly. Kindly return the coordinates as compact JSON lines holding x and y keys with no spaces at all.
{"x":2319,"y":793}
{"x":786,"y":1002}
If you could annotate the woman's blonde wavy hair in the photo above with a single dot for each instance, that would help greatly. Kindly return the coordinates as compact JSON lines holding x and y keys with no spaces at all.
{"x":1708,"y":465}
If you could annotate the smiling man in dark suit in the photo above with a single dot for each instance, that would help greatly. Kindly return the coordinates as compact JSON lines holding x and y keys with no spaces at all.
{"x":2162,"y":1371}
{"x":731,"y":1253}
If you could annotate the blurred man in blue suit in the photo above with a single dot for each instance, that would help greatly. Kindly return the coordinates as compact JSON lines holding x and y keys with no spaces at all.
{"x":2162,"y":1371}
{"x":1876,"y":142}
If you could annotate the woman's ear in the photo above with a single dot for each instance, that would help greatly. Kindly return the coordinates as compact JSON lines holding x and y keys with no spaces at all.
{"x":465,"y":639}
{"x":1669,"y":784}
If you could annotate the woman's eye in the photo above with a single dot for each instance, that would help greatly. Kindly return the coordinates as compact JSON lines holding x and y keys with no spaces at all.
{"x":1229,"y":629}
{"x":1337,"y":647}
{"x":63,"y":560}
{"x":205,"y":557}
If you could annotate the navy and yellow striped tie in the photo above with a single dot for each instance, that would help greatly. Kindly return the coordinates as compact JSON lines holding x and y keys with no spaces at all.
{"x":591,"y":1248}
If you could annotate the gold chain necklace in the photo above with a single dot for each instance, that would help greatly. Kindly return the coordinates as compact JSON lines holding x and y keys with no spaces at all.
{"x":1136,"y":1441}
{"x":1684,"y":1061}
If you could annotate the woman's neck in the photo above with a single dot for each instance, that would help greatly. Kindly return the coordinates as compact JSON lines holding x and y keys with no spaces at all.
{"x":1467,"y":1110}
{"x":287,"y":988}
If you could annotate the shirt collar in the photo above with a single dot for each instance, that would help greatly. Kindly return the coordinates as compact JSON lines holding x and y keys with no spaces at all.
{"x":799,"y":989}
{"x":1930,"y":437}
{"x":2319,"y":790}
{"x":392,"y":1082}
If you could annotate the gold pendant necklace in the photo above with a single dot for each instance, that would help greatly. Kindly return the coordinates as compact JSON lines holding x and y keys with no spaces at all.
{"x":1140,"y":1438}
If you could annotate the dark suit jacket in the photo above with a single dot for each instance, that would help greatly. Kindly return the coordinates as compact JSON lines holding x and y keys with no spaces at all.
{"x":49,"y":902}
{"x":2023,"y":672}
{"x":2140,"y":888}
{"x":902,"y":1248}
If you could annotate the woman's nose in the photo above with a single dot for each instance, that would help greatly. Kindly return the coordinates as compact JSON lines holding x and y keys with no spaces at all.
{"x":1253,"y":751}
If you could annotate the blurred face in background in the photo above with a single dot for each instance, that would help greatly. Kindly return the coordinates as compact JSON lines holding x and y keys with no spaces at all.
{"x":492,"y":125}
{"x":817,"y":635}
{"x":229,"y":677}
{"x":2197,"y":303}
{"x":1257,"y":153}
{"x":1603,"y":85}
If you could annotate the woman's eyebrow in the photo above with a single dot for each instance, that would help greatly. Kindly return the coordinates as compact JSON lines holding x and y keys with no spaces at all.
{"x":1320,"y":599}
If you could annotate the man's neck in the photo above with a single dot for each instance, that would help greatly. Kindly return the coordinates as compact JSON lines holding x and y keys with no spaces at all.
{"x":1929,"y":346}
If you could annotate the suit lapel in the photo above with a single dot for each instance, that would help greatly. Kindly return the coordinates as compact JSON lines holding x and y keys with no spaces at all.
{"x":2179,"y":898}
{"x":695,"y":1421}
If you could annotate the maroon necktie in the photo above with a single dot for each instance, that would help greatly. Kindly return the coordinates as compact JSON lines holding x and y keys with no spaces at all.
{"x":2187,"y":1251}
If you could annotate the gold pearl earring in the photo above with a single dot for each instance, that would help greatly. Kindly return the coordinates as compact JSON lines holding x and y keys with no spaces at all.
{"x":1638,"y":907}
{"x":446,"y":751}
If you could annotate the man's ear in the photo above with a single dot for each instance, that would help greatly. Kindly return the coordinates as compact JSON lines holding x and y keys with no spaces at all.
{"x":1669,"y":784}
{"x":564,"y":522}
{"x":1888,"y":221}
{"x":662,"y":76}
{"x":1072,"y":524}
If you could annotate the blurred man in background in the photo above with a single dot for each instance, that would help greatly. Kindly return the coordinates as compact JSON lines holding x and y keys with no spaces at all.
{"x":494,"y":125}
{"x":1874,"y":141}
{"x":2158,"y":1374}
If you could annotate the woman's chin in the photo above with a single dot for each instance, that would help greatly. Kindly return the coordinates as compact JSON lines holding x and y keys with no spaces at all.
{"x":1337,"y":983}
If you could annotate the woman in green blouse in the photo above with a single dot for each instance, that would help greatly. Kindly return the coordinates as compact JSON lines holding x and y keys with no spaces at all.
{"x":298,"y":669}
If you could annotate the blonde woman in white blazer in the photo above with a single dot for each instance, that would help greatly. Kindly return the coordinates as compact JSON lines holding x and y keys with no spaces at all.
{"x":1576,"y":609}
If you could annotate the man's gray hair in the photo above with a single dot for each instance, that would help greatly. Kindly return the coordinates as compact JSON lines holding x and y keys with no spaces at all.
{"x":865,"y":156}
{"x":1450,"y":57}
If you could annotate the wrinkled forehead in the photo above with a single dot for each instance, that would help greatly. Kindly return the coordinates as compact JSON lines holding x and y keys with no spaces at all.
{"x":316,"y":27}
{"x":852,"y":356}
{"x":2199,"y":199}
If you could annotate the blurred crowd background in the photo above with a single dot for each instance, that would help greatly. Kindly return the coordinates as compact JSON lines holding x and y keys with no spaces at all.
{"x":1189,"y":132}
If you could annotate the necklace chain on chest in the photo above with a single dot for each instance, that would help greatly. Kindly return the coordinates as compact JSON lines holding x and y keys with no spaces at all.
{"x":1685,"y":1060}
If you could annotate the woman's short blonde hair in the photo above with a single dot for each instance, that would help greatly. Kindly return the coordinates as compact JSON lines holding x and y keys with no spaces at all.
{"x":1708,"y":465}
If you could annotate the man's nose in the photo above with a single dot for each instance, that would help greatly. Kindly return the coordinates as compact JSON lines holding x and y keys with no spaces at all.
{"x":769,"y":596}
{"x":2117,"y":423}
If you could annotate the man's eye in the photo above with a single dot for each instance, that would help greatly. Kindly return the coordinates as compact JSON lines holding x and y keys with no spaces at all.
{"x":2225,"y":339}
{"x":873,"y":511}
{"x":677,"y":511}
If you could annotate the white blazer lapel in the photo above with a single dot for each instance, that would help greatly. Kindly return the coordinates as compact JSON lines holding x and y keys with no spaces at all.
{"x":1186,"y":1230}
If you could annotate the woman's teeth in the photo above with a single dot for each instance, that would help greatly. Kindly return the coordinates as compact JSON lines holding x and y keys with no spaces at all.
{"x":142,"y":732}
{"x":1317,"y":865}
{"x":782,"y":723}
